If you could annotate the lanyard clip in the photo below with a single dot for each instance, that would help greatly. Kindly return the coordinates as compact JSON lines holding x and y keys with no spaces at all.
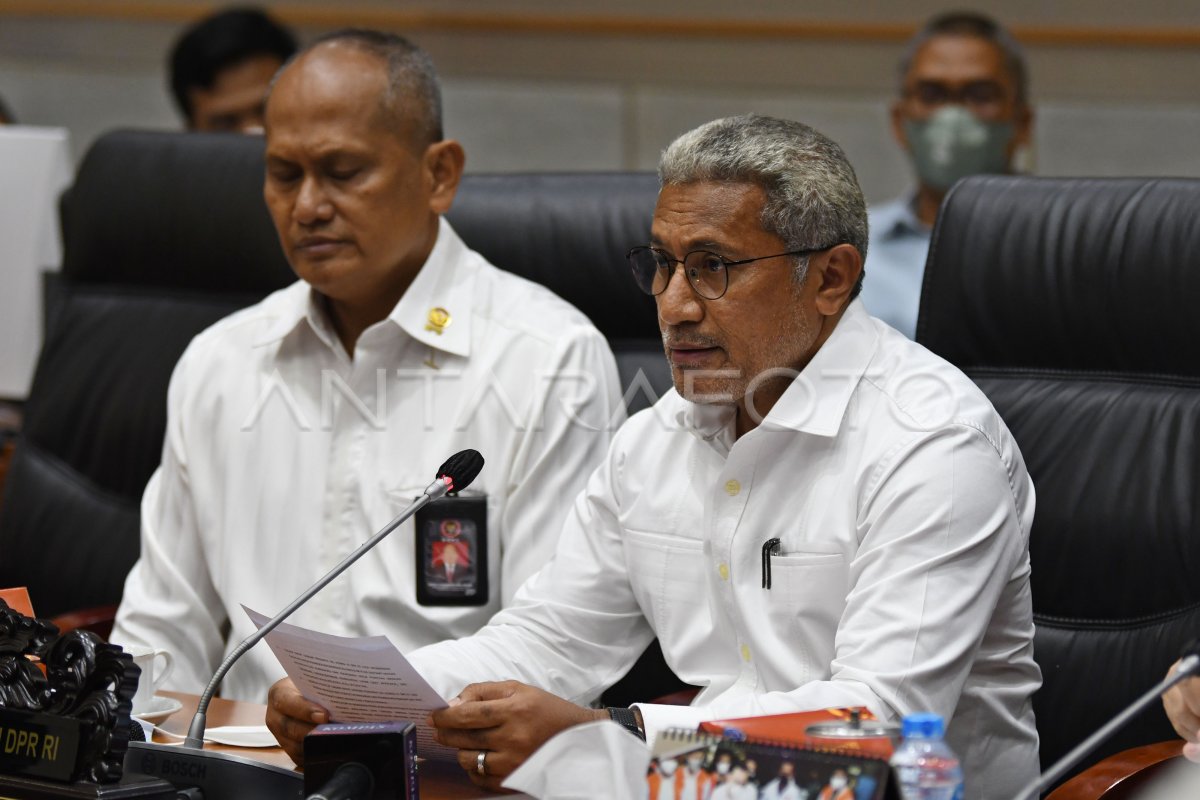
{"x":769,"y":548}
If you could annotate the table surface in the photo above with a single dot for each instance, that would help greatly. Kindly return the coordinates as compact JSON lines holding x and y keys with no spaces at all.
{"x":437,"y":781}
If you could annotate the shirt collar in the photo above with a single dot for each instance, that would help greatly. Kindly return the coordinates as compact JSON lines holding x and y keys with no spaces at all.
{"x":295,"y":304}
{"x":704,"y":421}
{"x":817,"y":400}
{"x":435,"y":310}
{"x":900,"y":219}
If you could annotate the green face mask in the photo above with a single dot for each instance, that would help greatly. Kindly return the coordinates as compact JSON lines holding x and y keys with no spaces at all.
{"x":954,"y":143}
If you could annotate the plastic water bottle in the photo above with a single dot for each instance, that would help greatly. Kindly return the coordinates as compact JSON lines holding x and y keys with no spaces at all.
{"x":925,"y":766}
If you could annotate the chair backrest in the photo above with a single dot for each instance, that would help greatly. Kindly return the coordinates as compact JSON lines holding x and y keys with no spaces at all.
{"x":166,"y":233}
{"x":1070,"y":302}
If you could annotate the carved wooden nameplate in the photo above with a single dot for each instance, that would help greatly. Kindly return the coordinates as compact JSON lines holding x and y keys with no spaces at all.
{"x":70,"y":725}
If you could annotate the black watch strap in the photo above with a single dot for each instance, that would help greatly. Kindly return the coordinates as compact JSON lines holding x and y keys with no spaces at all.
{"x":627,"y":719}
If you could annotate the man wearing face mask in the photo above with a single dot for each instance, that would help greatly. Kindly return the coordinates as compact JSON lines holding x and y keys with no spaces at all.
{"x":963,"y":110}
{"x":661,"y":780}
{"x":783,"y":786}
{"x":838,"y":787}
{"x":693,"y":782}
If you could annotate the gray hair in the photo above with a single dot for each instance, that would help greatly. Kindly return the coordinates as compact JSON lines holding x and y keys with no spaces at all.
{"x":968,"y":23}
{"x":812,"y":195}
{"x":413,"y":94}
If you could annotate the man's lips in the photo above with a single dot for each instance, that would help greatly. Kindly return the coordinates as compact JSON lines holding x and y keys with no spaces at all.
{"x":691,"y":355}
{"x":319,"y":245}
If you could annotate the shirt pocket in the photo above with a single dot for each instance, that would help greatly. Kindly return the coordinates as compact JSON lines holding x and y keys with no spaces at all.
{"x":805,"y":604}
{"x":664,"y":571}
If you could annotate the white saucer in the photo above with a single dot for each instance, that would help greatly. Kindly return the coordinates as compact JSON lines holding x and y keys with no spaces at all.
{"x":241,"y":736}
{"x":160,"y":708}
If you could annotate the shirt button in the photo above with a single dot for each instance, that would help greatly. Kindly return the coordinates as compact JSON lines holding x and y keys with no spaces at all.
{"x":745,"y":652}
{"x":732,"y":488}
{"x":724,"y":570}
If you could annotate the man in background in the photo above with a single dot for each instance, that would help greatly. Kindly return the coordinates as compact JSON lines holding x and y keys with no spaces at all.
{"x":299,"y":426}
{"x":963,"y":110}
{"x":222,"y":66}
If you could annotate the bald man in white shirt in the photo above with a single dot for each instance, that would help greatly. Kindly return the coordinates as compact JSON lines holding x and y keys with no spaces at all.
{"x":299,"y":426}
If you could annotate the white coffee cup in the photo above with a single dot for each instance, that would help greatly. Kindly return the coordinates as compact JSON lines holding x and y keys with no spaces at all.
{"x":148,"y":683}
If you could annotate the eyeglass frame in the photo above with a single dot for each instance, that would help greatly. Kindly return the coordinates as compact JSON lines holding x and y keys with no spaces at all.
{"x":725,"y":262}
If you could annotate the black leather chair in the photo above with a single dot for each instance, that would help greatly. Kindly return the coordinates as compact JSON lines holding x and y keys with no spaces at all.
{"x":166,"y":233}
{"x":1071,"y":303}
{"x":163,"y":235}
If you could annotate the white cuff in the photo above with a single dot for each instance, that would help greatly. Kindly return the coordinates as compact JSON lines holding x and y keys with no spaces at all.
{"x":658,"y":718}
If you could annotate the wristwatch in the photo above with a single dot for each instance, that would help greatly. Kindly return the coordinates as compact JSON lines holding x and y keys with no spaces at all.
{"x":627,"y":718}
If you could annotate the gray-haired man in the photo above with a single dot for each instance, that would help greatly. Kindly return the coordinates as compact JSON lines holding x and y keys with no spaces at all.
{"x":822,"y":514}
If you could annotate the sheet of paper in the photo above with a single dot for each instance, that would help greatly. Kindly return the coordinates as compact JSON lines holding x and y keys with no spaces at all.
{"x":358,"y":680}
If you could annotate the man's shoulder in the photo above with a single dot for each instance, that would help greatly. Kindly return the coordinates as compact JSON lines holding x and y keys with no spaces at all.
{"x":243,"y":329}
{"x":924,"y":391}
{"x":511,"y":301}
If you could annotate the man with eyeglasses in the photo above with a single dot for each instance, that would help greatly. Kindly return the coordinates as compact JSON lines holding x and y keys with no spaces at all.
{"x":963,"y":110}
{"x":823,"y":513}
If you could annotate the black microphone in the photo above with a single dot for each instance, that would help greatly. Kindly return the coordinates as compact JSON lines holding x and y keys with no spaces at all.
{"x":351,"y":781}
{"x":182,"y":762}
{"x":1188,"y":666}
{"x":340,"y":757}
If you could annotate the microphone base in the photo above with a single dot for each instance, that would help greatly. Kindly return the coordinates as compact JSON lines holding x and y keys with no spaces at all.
{"x":141,"y":787}
{"x":220,"y":776}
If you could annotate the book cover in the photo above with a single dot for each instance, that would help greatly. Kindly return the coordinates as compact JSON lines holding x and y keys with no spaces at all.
{"x":775,"y":757}
{"x":792,"y":730}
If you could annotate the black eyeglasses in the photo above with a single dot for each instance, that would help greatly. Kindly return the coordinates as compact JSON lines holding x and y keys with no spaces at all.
{"x":707,"y":272}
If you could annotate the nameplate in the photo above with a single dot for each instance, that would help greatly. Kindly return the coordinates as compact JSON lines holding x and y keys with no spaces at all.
{"x":39,"y":745}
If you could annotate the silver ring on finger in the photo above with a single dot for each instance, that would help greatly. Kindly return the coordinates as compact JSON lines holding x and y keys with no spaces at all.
{"x":481,"y":763}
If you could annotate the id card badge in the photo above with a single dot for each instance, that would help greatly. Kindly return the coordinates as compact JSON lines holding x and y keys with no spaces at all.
{"x":452,"y":551}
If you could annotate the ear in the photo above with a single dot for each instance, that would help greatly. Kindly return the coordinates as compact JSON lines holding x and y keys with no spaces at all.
{"x":836,"y":275}
{"x":443,"y":169}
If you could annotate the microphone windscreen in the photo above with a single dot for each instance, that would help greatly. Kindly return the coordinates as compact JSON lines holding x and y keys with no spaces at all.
{"x":461,"y":468}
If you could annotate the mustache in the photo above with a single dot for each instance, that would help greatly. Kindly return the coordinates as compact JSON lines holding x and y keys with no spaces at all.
{"x":676,"y":339}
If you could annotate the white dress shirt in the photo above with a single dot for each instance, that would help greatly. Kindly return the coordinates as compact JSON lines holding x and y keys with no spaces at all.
{"x":901,"y":583}
{"x":283,"y":454}
{"x":596,"y":759}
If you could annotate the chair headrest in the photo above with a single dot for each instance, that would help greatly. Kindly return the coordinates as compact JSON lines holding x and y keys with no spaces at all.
{"x":1066,"y":273}
{"x":568,"y":232}
{"x":181,"y":211}
{"x":185,"y":211}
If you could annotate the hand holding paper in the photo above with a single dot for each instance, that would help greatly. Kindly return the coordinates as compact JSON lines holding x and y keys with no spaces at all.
{"x":355,"y":679}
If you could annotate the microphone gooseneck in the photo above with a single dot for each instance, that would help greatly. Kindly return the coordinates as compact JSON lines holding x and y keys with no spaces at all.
{"x":1189,"y":665}
{"x":454,"y":475}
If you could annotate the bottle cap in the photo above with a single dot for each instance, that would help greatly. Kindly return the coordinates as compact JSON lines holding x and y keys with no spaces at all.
{"x":923,"y":726}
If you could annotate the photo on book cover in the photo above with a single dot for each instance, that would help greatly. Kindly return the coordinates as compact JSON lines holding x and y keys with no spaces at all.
{"x":725,"y":770}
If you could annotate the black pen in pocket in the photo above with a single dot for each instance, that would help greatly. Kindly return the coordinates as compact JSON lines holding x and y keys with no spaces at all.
{"x":770,"y":547}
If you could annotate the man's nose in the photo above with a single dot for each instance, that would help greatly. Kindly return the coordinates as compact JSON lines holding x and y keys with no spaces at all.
{"x":679,"y":302}
{"x":312,"y":205}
